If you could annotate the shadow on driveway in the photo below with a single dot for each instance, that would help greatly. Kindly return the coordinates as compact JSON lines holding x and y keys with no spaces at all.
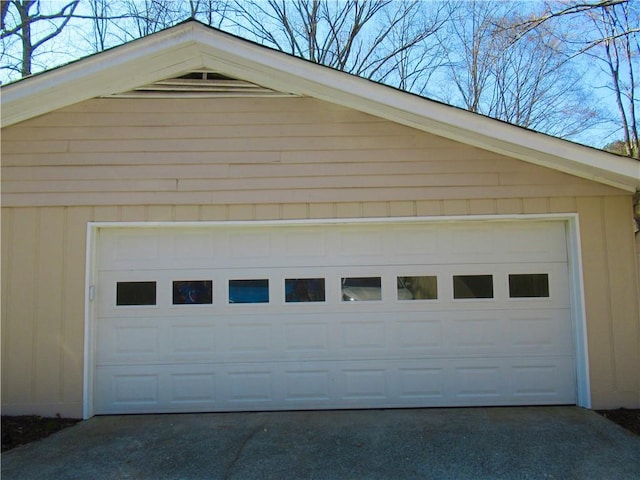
{"x":450,"y":443}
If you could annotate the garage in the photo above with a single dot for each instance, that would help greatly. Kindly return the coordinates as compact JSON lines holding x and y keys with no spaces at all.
{"x":238,"y":316}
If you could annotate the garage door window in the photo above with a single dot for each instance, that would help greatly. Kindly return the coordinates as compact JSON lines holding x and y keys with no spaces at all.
{"x":529,"y":285}
{"x":418,"y":288}
{"x":361,"y":289}
{"x":192,"y":292}
{"x":472,"y":286}
{"x":135,"y":293}
{"x":249,"y":291}
{"x":304,"y":290}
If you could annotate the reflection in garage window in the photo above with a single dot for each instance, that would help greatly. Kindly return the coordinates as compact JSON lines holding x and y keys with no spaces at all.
{"x":361,"y":289}
{"x":418,"y":288}
{"x":136,"y":293}
{"x":249,"y":291}
{"x":529,"y":285}
{"x":192,"y":292}
{"x":304,"y":290}
{"x":473,"y":286}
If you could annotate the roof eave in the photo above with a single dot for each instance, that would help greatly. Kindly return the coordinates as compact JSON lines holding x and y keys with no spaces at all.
{"x":142,"y":61}
{"x":281,"y":72}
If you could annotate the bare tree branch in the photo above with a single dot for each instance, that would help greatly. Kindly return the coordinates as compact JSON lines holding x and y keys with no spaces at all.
{"x":28,"y":14}
{"x":4,"y":8}
{"x":520,"y":29}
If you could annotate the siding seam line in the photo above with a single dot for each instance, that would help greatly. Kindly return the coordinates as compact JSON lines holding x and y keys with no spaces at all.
{"x":34,"y":315}
{"x":607,"y":273}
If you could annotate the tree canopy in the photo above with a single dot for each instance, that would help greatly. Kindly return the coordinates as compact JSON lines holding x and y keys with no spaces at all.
{"x":563,"y":67}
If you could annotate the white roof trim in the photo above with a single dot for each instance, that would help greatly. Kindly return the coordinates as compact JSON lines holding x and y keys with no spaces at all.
{"x":193,"y":46}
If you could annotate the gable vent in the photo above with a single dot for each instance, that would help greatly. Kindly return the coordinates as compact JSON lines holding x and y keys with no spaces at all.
{"x":201,"y":84}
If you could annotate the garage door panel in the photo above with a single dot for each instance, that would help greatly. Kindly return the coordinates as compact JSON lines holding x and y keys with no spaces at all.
{"x":416,"y":334}
{"x":152,"y":388}
{"x":506,"y":332}
{"x":134,"y":389}
{"x":544,"y":380}
{"x":144,"y":340}
{"x":307,"y":337}
{"x":353,"y":244}
{"x":543,"y":332}
{"x":192,"y":387}
{"x":532,"y":380}
{"x":309,"y":384}
{"x":123,"y":342}
{"x":407,"y":242}
{"x":269,"y":338}
{"x":357,"y":336}
{"x":251,"y":247}
{"x":189,"y":248}
{"x":373,"y":384}
{"x":477,"y":381}
{"x":363,"y":384}
{"x":250,"y":338}
{"x":475,"y":333}
{"x":419,"y":383}
{"x":252,"y":385}
{"x":288,"y":353}
{"x":480,"y":244}
{"x":121,"y":249}
{"x":302,"y":245}
{"x":550,"y":241}
{"x":192,"y":339}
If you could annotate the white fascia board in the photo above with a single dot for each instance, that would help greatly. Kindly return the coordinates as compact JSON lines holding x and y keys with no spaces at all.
{"x":140,"y":62}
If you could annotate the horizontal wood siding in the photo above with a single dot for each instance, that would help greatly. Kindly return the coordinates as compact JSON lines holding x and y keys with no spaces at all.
{"x":239,"y":151}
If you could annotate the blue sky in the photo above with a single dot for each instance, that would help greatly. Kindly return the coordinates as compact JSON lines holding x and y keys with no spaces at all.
{"x":72,"y":44}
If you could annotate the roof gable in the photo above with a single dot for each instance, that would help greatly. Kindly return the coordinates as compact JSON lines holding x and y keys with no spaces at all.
{"x":192,"y":46}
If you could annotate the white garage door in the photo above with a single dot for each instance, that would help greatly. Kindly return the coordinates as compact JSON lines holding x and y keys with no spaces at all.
{"x":332,"y":316}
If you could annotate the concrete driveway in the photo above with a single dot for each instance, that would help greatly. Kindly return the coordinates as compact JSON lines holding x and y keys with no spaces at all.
{"x":466,"y":443}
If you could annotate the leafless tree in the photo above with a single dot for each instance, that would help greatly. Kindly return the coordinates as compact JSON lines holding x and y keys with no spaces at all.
{"x":534,"y":86}
{"x":609,"y":38}
{"x":211,"y":12}
{"x":408,"y":53}
{"x":558,"y":9}
{"x":139,"y":18}
{"x":144,"y":17}
{"x":527,"y":83}
{"x":370,"y":38}
{"x":101,"y":19}
{"x":618,"y":50}
{"x":4,"y":8}
{"x":468,"y":41}
{"x":18,"y":20}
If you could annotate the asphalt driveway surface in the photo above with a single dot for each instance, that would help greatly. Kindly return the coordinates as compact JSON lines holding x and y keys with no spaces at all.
{"x":466,"y":443}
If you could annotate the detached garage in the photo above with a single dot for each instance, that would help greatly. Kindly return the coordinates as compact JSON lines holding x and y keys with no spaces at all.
{"x":229,"y":228}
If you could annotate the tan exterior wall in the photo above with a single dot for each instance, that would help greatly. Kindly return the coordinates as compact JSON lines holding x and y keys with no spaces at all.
{"x":244,"y":151}
{"x":263,"y":159}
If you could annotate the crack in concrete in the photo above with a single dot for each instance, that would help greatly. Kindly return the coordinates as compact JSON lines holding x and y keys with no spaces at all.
{"x":240,"y":450}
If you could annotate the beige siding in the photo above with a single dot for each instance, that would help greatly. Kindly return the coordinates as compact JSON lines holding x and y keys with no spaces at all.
{"x":638,"y":263}
{"x":611,"y":301}
{"x":234,"y":151}
{"x":266,"y":159}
